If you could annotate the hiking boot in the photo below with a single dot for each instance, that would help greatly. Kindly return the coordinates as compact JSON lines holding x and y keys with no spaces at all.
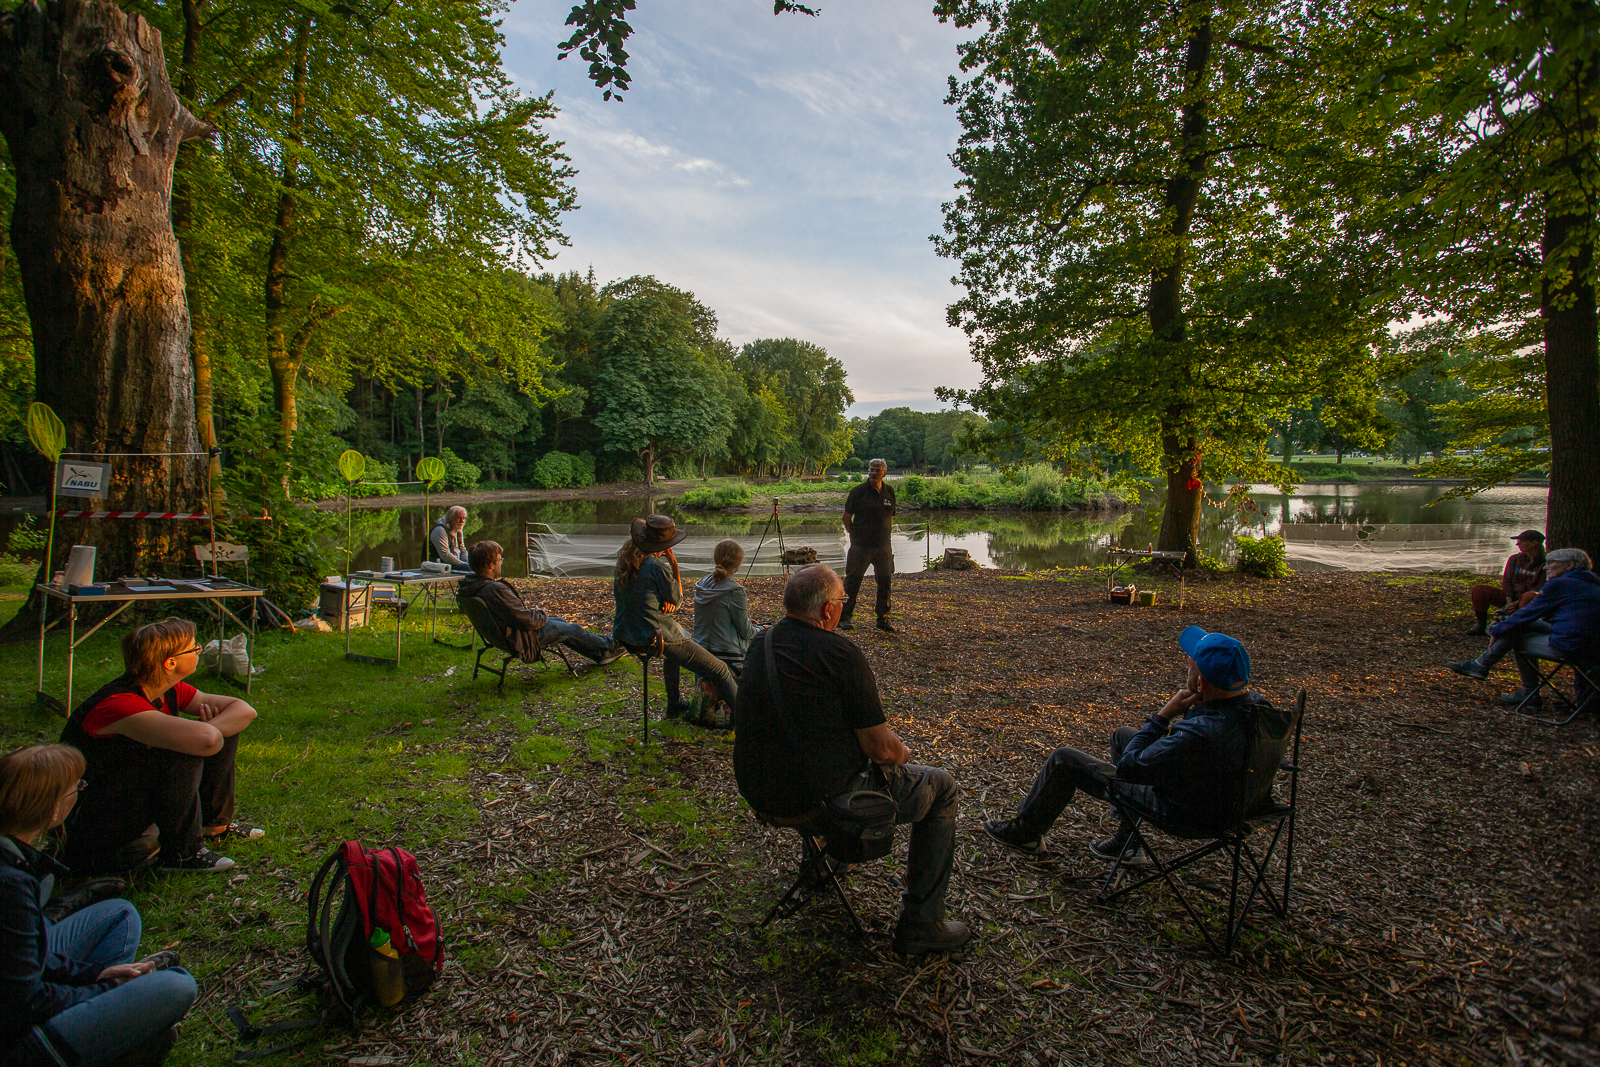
{"x":845,"y":624}
{"x":63,"y":904}
{"x":616,"y":652}
{"x":160,"y":961}
{"x":204,"y":860}
{"x":679,"y":709}
{"x":1471,"y":668}
{"x":915,"y":938}
{"x":1479,"y":630}
{"x":886,"y":626}
{"x":1132,"y":855}
{"x":1005,"y":831}
{"x":1514,"y":698}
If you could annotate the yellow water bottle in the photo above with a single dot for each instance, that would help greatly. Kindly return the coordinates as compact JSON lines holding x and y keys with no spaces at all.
{"x":388,"y":977}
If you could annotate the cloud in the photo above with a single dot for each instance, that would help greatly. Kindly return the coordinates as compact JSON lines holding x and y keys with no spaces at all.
{"x":787,"y":170}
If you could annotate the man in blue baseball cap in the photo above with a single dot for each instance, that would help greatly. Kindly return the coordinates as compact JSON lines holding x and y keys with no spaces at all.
{"x":1186,"y":771}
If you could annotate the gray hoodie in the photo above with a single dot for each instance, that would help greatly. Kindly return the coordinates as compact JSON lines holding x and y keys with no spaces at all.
{"x":722,"y":619}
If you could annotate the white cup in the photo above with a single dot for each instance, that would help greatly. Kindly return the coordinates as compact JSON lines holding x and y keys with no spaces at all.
{"x":388,"y":564}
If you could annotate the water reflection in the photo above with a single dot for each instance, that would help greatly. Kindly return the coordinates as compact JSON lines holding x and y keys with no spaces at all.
{"x":1361,"y":527}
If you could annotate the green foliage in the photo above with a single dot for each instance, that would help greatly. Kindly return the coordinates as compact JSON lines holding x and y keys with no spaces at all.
{"x":460,"y":476}
{"x":1264,"y":557}
{"x":853,"y":463}
{"x":732,"y":495}
{"x":659,"y":391}
{"x":1035,"y":488}
{"x":582,"y":469}
{"x":553,"y":471}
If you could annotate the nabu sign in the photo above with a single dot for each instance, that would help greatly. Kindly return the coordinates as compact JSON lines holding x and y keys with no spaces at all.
{"x":82,"y":479}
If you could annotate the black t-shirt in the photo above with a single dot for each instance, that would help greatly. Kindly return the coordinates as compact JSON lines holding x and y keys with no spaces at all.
{"x":871,"y":514}
{"x":827,"y":694}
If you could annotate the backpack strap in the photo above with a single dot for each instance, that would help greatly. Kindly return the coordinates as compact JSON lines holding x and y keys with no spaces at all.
{"x":315,"y":936}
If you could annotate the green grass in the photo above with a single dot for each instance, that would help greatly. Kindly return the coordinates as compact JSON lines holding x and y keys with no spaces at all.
{"x":352,"y":750}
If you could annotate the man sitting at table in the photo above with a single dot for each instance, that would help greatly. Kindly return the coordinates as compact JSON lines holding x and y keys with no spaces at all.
{"x":528,"y":629}
{"x":157,"y":750}
{"x":446,"y":540}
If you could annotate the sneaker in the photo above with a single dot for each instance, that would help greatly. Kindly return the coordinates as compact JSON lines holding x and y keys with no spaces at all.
{"x":1471,"y":668}
{"x":845,"y":624}
{"x":1005,"y":831}
{"x":887,"y":627}
{"x":204,"y":860}
{"x":616,"y":653}
{"x":1514,"y":698}
{"x":1132,"y":855}
{"x":235,"y":831}
{"x":61,"y":905}
{"x":160,"y":961}
{"x":913,"y":938}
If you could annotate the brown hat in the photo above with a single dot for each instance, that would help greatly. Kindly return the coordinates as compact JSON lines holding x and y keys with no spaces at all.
{"x":656,"y":533}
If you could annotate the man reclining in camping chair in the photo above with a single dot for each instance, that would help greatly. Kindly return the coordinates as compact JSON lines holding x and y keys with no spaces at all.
{"x":1186,"y":772}
{"x":527,"y":630}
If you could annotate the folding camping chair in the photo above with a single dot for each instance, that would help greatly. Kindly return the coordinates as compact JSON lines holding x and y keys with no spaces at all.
{"x":818,"y":871}
{"x":494,"y":638}
{"x":1271,"y":735}
{"x":1585,"y":681}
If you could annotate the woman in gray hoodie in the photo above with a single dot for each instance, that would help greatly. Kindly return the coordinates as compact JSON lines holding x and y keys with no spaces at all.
{"x":721,"y":609}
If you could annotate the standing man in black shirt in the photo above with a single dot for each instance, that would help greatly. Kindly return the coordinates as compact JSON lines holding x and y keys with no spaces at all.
{"x":817,"y":731}
{"x":868,"y":518}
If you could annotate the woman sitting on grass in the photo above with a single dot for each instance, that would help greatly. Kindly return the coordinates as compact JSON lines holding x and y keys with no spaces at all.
{"x":648,"y":590}
{"x":149,"y":763}
{"x":71,"y":990}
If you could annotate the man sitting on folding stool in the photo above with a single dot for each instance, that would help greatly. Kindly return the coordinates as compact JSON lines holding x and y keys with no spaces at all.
{"x":817,"y":731}
{"x":1187,"y":772}
{"x":1562,"y":622}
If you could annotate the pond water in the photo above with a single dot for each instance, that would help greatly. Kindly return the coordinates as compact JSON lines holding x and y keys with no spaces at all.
{"x":1335,"y":526}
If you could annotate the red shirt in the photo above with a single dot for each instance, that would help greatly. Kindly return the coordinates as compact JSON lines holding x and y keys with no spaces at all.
{"x":119,"y":706}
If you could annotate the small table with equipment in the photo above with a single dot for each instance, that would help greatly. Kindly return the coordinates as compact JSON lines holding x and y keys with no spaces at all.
{"x":124,"y":593}
{"x":1131,"y":555}
{"x":423,"y":581}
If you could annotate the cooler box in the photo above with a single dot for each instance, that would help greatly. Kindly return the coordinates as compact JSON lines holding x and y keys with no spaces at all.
{"x":331,"y":604}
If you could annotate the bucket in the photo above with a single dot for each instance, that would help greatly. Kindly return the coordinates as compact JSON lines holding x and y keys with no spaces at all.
{"x":1147,"y":598}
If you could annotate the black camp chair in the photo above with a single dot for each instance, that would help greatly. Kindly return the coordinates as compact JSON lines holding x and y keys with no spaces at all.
{"x":1585,"y":687}
{"x":644,"y":654}
{"x":493,"y":637}
{"x":1271,"y":736}
{"x":856,"y":827}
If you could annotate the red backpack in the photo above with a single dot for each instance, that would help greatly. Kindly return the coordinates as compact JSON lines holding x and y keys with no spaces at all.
{"x":374,"y":888}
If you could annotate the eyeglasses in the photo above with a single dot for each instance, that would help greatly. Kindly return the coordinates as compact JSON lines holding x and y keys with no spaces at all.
{"x":81,"y":786}
{"x":196,"y":649}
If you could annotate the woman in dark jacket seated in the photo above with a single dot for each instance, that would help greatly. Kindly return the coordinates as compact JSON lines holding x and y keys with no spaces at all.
{"x":71,"y":991}
{"x":648,"y":590}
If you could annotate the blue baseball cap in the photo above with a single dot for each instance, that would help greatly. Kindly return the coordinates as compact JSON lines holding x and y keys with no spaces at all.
{"x":1222,"y":661}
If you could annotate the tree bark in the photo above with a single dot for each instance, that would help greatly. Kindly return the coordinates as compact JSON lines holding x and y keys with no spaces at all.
{"x":649,"y":458}
{"x":94,"y":127}
{"x":1572,"y":390}
{"x":281,"y":360}
{"x":1180,"y":520}
{"x":183,"y":212}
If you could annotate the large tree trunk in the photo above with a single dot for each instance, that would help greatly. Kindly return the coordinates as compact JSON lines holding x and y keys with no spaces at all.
{"x":1180,"y":520}
{"x":1572,"y":391}
{"x":648,"y":458}
{"x":281,"y":359}
{"x":94,"y":127}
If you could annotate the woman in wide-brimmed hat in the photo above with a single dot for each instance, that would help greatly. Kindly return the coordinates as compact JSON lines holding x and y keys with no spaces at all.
{"x":648,"y":590}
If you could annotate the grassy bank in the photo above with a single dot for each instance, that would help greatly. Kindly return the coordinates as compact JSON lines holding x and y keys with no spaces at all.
{"x":1035,"y":488}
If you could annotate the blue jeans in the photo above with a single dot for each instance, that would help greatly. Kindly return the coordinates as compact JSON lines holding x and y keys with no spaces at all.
{"x":118,"y":1020}
{"x":575,"y":637}
{"x":1529,"y":637}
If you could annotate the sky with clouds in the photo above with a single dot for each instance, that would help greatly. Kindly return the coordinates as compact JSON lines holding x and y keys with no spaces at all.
{"x":788,"y":170}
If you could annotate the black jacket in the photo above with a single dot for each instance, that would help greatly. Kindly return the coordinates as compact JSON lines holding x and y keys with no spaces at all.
{"x":35,"y":983}
{"x":520,"y":623}
{"x":1193,"y":770}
